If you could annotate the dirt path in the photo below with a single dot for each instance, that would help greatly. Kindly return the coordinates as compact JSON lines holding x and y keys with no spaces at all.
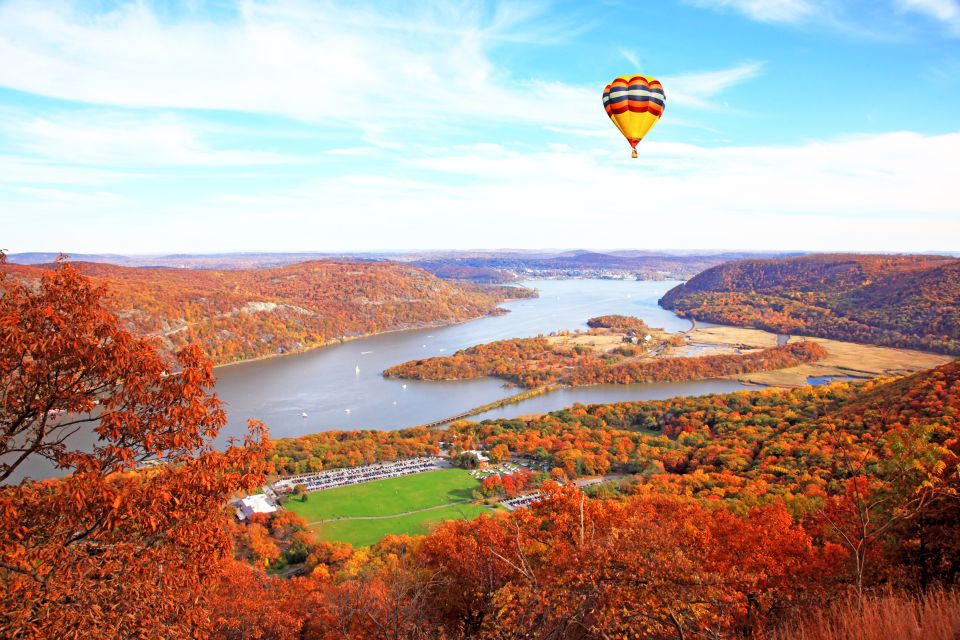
{"x":393,"y":515}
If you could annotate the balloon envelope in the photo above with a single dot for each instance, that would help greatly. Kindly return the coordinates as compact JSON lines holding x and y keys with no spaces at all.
{"x":634,"y":103}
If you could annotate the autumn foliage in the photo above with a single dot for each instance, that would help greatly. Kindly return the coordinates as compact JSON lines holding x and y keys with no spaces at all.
{"x":737,"y":516}
{"x":533,"y":362}
{"x":618,"y":323}
{"x":111,"y":546}
{"x":896,"y":301}
{"x":236,"y":314}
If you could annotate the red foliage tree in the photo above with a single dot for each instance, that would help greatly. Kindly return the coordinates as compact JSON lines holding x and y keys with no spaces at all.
{"x":112,"y":549}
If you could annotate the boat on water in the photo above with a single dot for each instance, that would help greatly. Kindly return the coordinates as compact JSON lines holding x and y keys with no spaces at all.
{"x":303,"y":415}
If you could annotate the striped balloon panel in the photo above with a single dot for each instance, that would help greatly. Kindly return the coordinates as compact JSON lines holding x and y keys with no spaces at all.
{"x":634,"y":104}
{"x":638,"y":94}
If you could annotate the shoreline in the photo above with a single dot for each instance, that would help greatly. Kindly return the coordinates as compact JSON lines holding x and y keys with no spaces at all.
{"x":344,"y":339}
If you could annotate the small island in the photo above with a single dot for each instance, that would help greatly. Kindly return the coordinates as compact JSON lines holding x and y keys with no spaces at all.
{"x":616,"y":350}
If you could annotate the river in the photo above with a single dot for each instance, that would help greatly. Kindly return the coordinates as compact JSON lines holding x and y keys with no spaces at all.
{"x":342,"y":387}
{"x":325,"y":383}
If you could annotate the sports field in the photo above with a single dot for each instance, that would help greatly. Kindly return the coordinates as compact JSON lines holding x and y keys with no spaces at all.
{"x":361,"y":533}
{"x":362,"y":514}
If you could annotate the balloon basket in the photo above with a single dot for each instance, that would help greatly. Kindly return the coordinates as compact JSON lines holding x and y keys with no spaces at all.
{"x":633,"y":154}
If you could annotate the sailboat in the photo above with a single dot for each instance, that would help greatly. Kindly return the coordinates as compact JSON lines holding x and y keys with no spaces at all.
{"x":358,"y":369}
{"x":303,"y":415}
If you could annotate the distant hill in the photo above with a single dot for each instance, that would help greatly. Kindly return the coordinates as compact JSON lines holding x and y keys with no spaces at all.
{"x":249,"y":313}
{"x":237,"y":260}
{"x":624,"y":264}
{"x":891,"y":300}
{"x":493,"y":266}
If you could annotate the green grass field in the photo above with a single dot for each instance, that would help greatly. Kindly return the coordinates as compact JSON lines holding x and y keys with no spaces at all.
{"x":390,"y":497}
{"x":361,"y":533}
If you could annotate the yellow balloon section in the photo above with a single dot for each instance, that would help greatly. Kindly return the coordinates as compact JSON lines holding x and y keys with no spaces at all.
{"x":634,"y":103}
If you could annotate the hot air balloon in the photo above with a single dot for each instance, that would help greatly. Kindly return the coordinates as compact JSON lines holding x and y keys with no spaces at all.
{"x":634,"y":103}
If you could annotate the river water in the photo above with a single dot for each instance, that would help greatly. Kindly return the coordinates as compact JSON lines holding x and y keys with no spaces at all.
{"x":325,"y":383}
{"x":342,"y":387}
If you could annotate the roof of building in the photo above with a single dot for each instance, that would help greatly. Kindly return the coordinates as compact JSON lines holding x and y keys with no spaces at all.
{"x":257,"y":503}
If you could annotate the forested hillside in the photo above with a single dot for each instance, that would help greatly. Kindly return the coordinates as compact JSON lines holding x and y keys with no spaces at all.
{"x":739,"y":516}
{"x":236,"y":314}
{"x":742,"y":514}
{"x":897,"y":301}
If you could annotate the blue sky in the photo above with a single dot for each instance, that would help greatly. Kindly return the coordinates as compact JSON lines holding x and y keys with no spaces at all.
{"x":154,"y":127}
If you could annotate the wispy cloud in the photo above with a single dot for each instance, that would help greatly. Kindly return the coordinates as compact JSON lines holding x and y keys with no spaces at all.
{"x":631,"y":57}
{"x":116,"y":139}
{"x":852,"y":192}
{"x":944,"y":11}
{"x":775,"y":11}
{"x":84,"y":199}
{"x":695,"y":89}
{"x":320,"y":63}
{"x":878,"y":21}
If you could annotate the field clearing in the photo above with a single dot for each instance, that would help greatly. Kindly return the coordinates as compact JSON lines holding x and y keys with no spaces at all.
{"x":361,"y":533}
{"x":387,"y":497}
{"x":602,"y":341}
{"x":844,"y":359}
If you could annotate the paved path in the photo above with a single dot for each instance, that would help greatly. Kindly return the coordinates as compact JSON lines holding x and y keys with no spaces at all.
{"x":393,"y":515}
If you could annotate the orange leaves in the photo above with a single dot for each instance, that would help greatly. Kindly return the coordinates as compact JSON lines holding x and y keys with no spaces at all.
{"x":910,"y":301}
{"x":108,"y":546}
{"x":249,"y":313}
{"x":612,"y":568}
{"x":533,"y":362}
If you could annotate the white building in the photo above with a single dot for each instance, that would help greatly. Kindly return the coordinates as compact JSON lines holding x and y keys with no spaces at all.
{"x":479,"y":455}
{"x":258,"y":503}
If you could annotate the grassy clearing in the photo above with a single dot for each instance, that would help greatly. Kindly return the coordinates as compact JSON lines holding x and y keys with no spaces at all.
{"x":843,"y":359}
{"x":361,"y":533}
{"x":388,"y":497}
{"x":931,"y":616}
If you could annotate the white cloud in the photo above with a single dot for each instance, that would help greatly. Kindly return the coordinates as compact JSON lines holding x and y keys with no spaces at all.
{"x":16,"y":170}
{"x":314,"y":62}
{"x":779,"y":11}
{"x":108,"y":138}
{"x":945,"y":11}
{"x":83,"y":199}
{"x":695,"y":89}
{"x":868,"y":22}
{"x":893,"y":192}
{"x":318,"y":63}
